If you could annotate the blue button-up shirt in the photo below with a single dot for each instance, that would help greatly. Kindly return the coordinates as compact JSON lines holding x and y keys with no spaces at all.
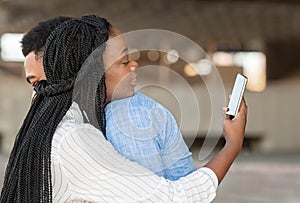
{"x":144,"y":131}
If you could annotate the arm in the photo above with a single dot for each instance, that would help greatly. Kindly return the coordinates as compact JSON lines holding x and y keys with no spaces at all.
{"x":233,"y":131}
{"x":94,"y":171}
{"x":174,"y":152}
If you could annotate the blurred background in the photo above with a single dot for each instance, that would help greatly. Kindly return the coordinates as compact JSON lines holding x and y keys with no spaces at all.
{"x":259,"y":38}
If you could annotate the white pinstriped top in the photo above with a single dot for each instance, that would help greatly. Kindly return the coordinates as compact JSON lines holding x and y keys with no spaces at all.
{"x":85,"y":166}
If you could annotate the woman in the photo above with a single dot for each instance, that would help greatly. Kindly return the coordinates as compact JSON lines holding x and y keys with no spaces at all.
{"x":60,"y":154}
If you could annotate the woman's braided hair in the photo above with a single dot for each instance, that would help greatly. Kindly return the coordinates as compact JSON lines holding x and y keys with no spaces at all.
{"x":28,"y":173}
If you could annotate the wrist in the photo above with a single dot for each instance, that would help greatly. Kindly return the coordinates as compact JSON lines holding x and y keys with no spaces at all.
{"x":234,"y":148}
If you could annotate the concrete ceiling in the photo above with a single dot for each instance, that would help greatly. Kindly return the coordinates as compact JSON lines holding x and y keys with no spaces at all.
{"x":223,"y":24}
{"x":207,"y":20}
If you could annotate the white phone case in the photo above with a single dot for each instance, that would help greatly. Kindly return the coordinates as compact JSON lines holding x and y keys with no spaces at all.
{"x":236,"y":95}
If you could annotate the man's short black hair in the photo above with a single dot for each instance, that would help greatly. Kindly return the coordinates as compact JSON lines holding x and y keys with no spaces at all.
{"x":35,"y":39}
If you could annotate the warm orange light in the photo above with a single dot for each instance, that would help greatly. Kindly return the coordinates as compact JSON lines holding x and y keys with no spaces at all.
{"x":153,"y":55}
{"x":254,"y":67}
{"x":189,"y":70}
{"x":221,"y":58}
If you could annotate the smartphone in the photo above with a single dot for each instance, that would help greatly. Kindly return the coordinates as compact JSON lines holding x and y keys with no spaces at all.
{"x":236,"y":95}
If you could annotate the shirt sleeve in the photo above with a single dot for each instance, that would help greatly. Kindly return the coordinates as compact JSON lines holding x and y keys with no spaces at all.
{"x":174,"y":152}
{"x":145,"y":132}
{"x":95,"y":172}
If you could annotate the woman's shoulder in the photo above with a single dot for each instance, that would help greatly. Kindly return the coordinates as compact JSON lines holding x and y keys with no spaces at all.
{"x":72,"y":124}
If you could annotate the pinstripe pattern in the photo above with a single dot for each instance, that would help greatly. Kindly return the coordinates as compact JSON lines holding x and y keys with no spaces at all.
{"x":86,"y":167}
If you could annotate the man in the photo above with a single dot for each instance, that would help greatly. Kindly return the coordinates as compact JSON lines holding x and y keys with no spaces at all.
{"x":33,"y":44}
{"x":157,"y":144}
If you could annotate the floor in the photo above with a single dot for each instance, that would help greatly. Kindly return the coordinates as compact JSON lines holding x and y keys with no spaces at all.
{"x":262,"y":179}
{"x":253,"y":178}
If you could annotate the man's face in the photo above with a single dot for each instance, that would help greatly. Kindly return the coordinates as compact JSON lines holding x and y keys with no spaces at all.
{"x":33,"y":67}
{"x":120,"y":76}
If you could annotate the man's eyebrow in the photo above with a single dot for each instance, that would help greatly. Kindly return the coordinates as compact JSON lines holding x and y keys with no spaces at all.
{"x":28,"y":78}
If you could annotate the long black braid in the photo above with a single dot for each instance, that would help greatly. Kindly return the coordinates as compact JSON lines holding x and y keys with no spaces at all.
{"x":28,"y":173}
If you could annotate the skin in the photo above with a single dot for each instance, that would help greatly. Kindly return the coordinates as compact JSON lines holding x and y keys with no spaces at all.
{"x":33,"y":67}
{"x":120,"y":82}
{"x":34,"y":72}
{"x":120,"y":70}
{"x":234,"y":131}
{"x":120,"y":75}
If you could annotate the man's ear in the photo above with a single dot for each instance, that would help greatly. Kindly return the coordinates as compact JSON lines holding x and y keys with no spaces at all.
{"x":39,"y":54}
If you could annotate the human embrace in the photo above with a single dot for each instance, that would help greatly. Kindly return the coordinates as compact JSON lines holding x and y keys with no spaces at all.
{"x":62,"y":153}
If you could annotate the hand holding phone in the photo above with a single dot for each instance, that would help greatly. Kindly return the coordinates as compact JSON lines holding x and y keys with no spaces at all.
{"x":236,"y":95}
